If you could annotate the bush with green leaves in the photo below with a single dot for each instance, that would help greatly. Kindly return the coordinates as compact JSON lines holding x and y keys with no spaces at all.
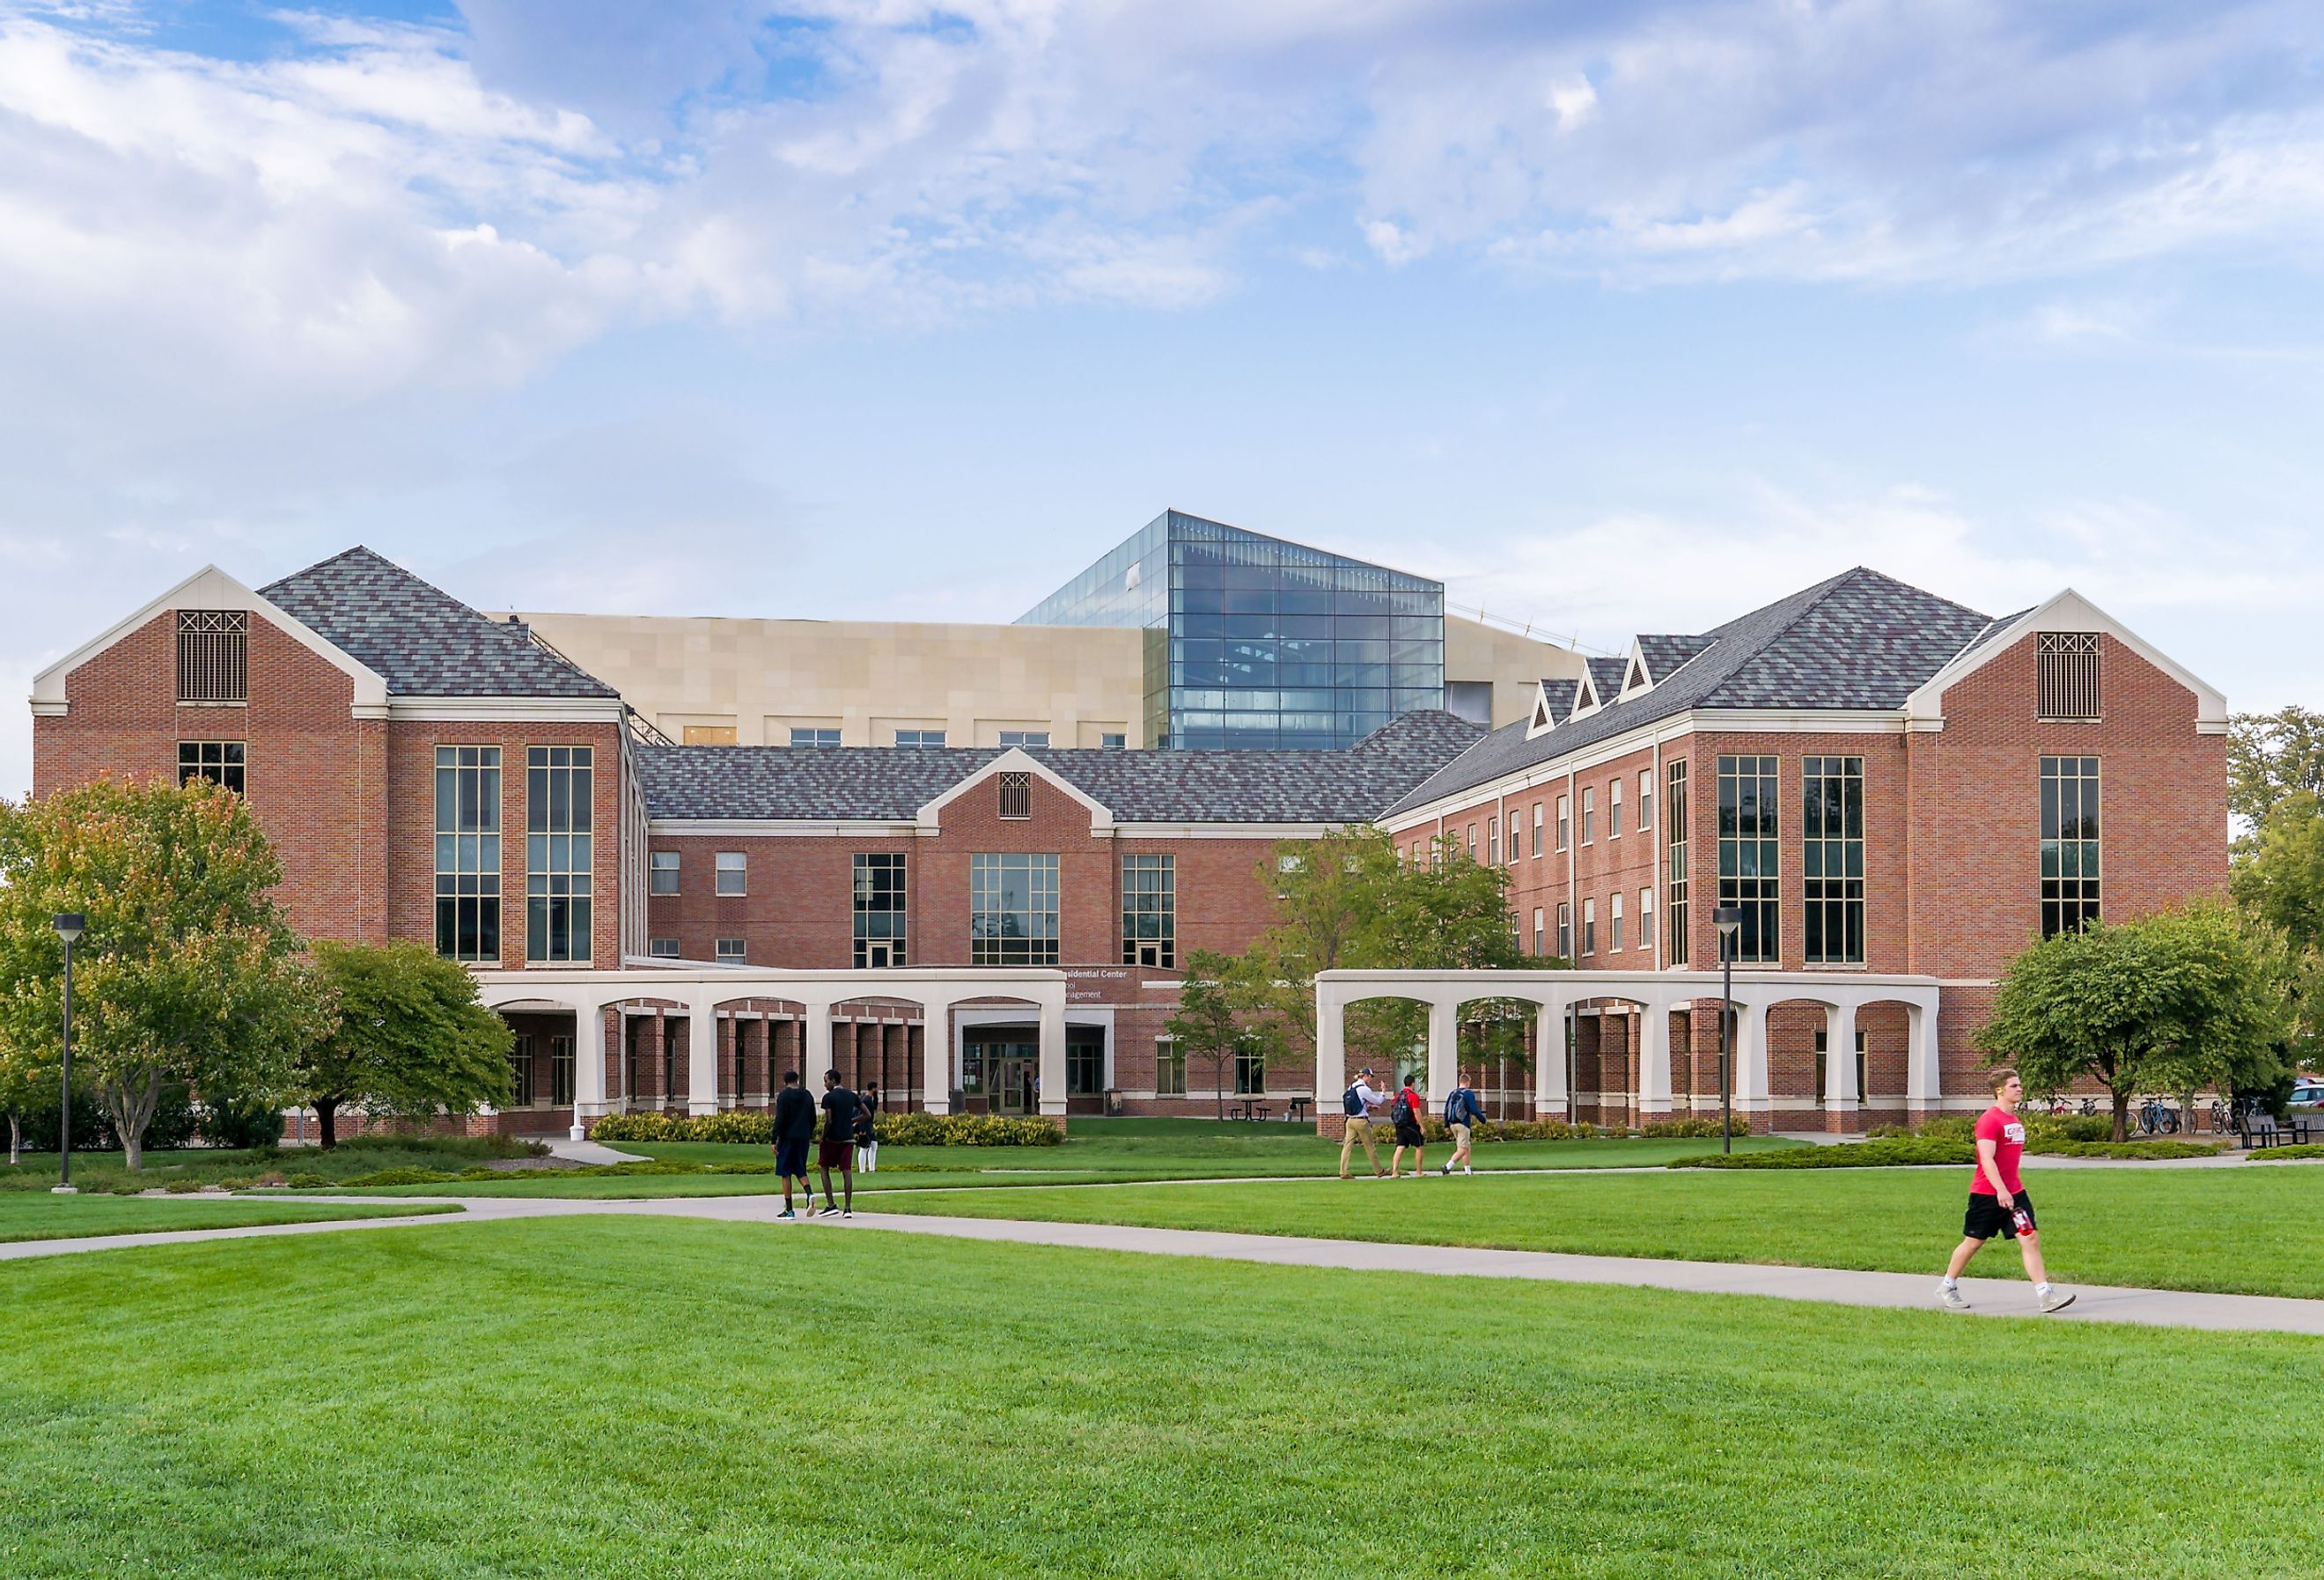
{"x":750,"y":1127}
{"x":1879,"y":1154}
{"x":2297,"y":1154}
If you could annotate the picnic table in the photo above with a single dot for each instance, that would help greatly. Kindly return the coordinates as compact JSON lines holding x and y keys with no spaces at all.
{"x":1248,"y":1108}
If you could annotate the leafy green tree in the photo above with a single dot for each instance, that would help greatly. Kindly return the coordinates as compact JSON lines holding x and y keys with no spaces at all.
{"x":1217,"y":1018}
{"x":2278,"y":874}
{"x":2271,"y":756}
{"x":405,"y":1036}
{"x":188,"y":971}
{"x":2170,"y":1003}
{"x":28,"y":1082}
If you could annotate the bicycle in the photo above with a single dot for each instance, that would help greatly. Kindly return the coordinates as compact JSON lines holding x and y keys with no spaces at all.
{"x":2157,"y":1118}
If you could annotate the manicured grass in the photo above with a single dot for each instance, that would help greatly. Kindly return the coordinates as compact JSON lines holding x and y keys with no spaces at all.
{"x":102,"y":1171}
{"x":25,"y":1217}
{"x":614,"y":1398}
{"x":2242,"y":1231}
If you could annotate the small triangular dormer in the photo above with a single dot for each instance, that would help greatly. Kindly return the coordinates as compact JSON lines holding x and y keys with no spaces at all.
{"x":1585,"y":696}
{"x":1637,"y":679}
{"x":1552,"y":705}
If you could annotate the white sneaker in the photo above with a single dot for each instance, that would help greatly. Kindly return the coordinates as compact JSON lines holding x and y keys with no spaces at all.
{"x":1950,"y":1297}
{"x":1466,"y":1170}
{"x":2057,"y":1301}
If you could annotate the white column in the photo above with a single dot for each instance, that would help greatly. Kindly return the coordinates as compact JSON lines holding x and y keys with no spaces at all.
{"x":818,"y":1046}
{"x":1444,"y":1045}
{"x":1549,"y":1098}
{"x":588,"y":1065}
{"x":936,"y":1045}
{"x":1654,"y":1059}
{"x":1751,"y":1095}
{"x":1840,"y":1093}
{"x":701,"y":1058}
{"x":1053,"y":1051}
{"x":1921,"y":1066}
{"x":1331,"y":1050}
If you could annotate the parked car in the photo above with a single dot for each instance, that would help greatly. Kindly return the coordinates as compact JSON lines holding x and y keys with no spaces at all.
{"x":2308,"y":1093}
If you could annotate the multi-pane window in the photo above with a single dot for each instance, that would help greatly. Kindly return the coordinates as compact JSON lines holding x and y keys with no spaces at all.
{"x":2066,"y":674}
{"x":1111,"y":740}
{"x":1084,"y":1069}
{"x":520,"y":1071}
{"x":1822,"y":1044}
{"x":1588,"y":813}
{"x":2070,"y":844}
{"x":1016,"y":794}
{"x":1564,"y":930}
{"x":919,"y":737}
{"x":662,"y":948}
{"x":1614,"y":810}
{"x":734,"y":875}
{"x":1564,"y":822}
{"x":1536,"y":828}
{"x":1645,"y":798}
{"x":1249,"y":1070}
{"x":879,"y":909}
{"x":1024,"y":738}
{"x":664,"y":876}
{"x":1150,"y":910}
{"x":733,"y":951}
{"x":1472,"y":842}
{"x":1590,"y":927}
{"x":1493,"y":840}
{"x":1537,"y":939}
{"x":212,"y":655}
{"x":1832,"y":826}
{"x":1674,"y":840}
{"x":1012,"y":916}
{"x":559,"y":797}
{"x":814,"y":737}
{"x":560,"y":1071}
{"x":219,"y":762}
{"x":1747,"y":795}
{"x":1614,"y":924}
{"x":468,"y":853}
{"x":1645,"y":918}
{"x":1169,"y":1068}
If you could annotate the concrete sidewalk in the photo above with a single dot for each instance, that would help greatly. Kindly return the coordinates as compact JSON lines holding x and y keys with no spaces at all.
{"x":1898,"y":1291}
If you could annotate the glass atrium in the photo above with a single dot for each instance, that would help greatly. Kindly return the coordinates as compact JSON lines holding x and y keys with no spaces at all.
{"x":1252,"y":642}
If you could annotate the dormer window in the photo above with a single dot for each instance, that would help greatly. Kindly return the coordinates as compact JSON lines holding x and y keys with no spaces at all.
{"x":213,"y":656}
{"x":2066,"y":674}
{"x":1016,"y":795}
{"x":1636,"y":681}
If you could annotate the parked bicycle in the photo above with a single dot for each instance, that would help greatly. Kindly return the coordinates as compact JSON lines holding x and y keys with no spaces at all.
{"x":2157,"y":1118}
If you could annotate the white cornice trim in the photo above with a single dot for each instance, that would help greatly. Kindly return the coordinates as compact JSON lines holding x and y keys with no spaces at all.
{"x":1016,"y":759}
{"x":2067,"y":610}
{"x":497,"y":710}
{"x":781,"y":827}
{"x":212,"y":588}
{"x":1226,"y":830}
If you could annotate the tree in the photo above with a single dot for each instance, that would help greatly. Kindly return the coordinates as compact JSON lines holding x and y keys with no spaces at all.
{"x":2168,"y":1003}
{"x":405,"y":1036}
{"x":2271,"y":756}
{"x":28,"y":1081}
{"x":1215,"y":1020}
{"x":2278,"y":872}
{"x":188,"y":971}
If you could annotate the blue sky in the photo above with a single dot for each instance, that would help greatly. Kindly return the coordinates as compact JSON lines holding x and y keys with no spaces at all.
{"x":1615,"y":316}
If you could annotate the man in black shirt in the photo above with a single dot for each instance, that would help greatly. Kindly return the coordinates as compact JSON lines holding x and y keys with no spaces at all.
{"x":794,"y":1127}
{"x":840,"y":1107}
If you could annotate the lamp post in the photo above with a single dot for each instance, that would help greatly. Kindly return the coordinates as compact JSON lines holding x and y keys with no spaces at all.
{"x":1728,"y":920}
{"x":70,"y":926}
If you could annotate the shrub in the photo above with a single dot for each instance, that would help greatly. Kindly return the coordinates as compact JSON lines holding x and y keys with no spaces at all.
{"x":754,"y":1128}
{"x":2288,"y":1154}
{"x":1693,"y":1127}
{"x":400,"y":1177}
{"x":182,"y":1187}
{"x":634,"y":1127}
{"x":242,"y":1124}
{"x":1879,"y":1154}
{"x":308,"y":1179}
{"x":739,"y":1127}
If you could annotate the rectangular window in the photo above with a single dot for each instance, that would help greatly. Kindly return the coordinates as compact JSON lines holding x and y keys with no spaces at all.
{"x":919,"y":737}
{"x":1832,"y":865}
{"x":1614,"y":924}
{"x":1747,"y":866}
{"x":468,"y":853}
{"x":879,"y":909}
{"x":1113,"y":741}
{"x":664,"y":873}
{"x":1588,"y":813}
{"x":814,"y":737}
{"x":1614,"y":810}
{"x":1822,"y":1042}
{"x":560,"y":1071}
{"x":1590,"y":927}
{"x":520,"y":1071}
{"x":1564,"y":930}
{"x":1472,"y":842}
{"x":1537,"y":939}
{"x":1249,"y":1070}
{"x":560,"y":784}
{"x":212,"y":655}
{"x":2070,"y":844}
{"x":1536,"y":828}
{"x":731,"y":951}
{"x":1012,"y":918}
{"x":1646,"y":918}
{"x":1645,"y":798}
{"x":662,"y":948}
{"x":1016,"y":795}
{"x":219,"y":762}
{"x":2066,"y":674}
{"x":1169,"y":1068}
{"x":1024,"y":738}
{"x":734,"y":872}
{"x":1674,"y":841}
{"x":1564,"y":822}
{"x":1493,"y":840}
{"x":1084,"y":1069}
{"x":1150,"y":910}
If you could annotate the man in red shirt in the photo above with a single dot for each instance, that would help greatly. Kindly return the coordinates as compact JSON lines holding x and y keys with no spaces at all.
{"x":1998,"y":1202}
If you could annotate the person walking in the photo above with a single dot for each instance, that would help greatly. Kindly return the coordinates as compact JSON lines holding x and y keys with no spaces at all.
{"x":794,"y":1127}
{"x":1358,"y":1103}
{"x":1461,"y":1112}
{"x":840,"y":1107}
{"x":1998,"y":1202}
{"x":867,"y":1138}
{"x":1408,"y":1106}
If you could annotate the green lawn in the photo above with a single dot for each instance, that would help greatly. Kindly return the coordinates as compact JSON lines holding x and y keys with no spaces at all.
{"x":26,"y":1217}
{"x":2245,"y":1231}
{"x":103,"y":1171}
{"x":615,"y":1399}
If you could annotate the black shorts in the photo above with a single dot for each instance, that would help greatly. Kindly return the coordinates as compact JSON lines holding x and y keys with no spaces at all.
{"x":790,"y":1158}
{"x":1987,"y":1217}
{"x":1409,"y":1134}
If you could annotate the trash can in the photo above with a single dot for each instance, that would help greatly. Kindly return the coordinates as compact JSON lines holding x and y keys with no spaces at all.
{"x":959,"y":1101}
{"x":1113,"y":1102}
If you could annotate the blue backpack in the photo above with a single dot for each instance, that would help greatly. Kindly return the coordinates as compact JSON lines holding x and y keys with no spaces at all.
{"x":1351,"y":1105}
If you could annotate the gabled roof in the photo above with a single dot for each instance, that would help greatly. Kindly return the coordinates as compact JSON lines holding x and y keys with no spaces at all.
{"x":1859,"y":640}
{"x":885,"y":784}
{"x":1665,"y":653}
{"x":1606,"y":677}
{"x":424,"y":640}
{"x":1553,"y":704}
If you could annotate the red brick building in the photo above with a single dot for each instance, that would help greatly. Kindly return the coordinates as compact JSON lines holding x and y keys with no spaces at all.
{"x":1888,"y":784}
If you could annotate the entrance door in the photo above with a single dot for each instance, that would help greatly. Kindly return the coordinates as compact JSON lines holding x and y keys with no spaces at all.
{"x":878,"y":956}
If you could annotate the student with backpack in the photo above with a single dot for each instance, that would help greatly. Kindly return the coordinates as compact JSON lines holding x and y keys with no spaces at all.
{"x":1407,"y":1107}
{"x":867,"y":1139}
{"x":1462,"y":1111}
{"x":1358,"y":1103}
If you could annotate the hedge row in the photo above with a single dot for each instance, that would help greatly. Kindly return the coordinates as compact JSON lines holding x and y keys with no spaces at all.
{"x":755,"y":1127}
{"x":1936,"y":1150}
{"x":2287,"y":1154}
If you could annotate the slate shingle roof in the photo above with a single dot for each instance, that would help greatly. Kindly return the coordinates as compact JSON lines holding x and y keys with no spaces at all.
{"x":892,"y":783}
{"x":1606,"y":676}
{"x":1665,"y":653}
{"x":1859,"y":641}
{"x":425,"y":641}
{"x":1560,"y":694}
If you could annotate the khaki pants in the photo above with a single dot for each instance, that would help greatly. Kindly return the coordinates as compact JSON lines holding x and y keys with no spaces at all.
{"x":1360,"y":1129}
{"x":1461,"y":1141}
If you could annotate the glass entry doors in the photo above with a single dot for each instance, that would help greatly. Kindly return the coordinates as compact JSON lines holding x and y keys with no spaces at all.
{"x":1001,"y":1067}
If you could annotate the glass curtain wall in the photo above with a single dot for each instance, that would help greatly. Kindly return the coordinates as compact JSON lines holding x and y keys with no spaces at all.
{"x":1262,"y":643}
